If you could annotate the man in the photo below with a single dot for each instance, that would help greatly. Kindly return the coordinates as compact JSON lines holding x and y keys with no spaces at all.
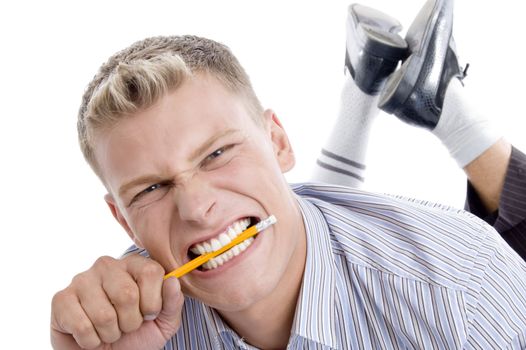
{"x":174,"y":130}
{"x":496,"y":171}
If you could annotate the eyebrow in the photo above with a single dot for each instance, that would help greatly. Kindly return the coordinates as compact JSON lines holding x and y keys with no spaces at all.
{"x":147,"y":179}
{"x":208,"y":143}
{"x":142,"y":180}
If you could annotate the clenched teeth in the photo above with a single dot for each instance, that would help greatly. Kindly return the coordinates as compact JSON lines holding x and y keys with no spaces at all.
{"x":220,"y":241}
{"x":229,"y":254}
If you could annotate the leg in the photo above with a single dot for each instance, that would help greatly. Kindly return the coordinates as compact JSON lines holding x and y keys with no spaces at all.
{"x":373,"y":51}
{"x":487,"y":173}
{"x":428,"y":91}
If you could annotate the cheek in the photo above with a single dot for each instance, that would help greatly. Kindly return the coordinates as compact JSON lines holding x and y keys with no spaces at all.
{"x":256,"y":179}
{"x":249,"y":173}
{"x":152,"y":227}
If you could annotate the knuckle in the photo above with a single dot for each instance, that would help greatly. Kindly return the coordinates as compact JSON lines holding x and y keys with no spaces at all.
{"x":80,"y":280}
{"x":104,"y":317}
{"x":152,"y":269}
{"x":85,"y":335}
{"x":104,"y":262}
{"x":82,"y":329}
{"x":128,"y":295}
{"x":60,"y":297}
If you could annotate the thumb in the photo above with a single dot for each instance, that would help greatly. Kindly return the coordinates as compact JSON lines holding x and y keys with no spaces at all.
{"x":169,"y":319}
{"x":154,"y":334}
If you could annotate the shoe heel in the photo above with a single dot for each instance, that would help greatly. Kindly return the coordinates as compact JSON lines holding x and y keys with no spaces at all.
{"x":375,"y":32}
{"x":373,"y":47}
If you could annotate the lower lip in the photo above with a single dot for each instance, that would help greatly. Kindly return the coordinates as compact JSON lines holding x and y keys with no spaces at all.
{"x":230,"y":263}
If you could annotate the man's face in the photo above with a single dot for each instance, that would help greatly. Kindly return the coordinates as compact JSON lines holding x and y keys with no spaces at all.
{"x":193,"y":167}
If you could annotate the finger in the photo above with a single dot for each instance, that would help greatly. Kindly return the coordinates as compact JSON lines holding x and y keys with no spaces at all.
{"x":155,"y":334}
{"x":61,"y":341}
{"x":123,"y":293}
{"x":169,"y":320}
{"x":69,"y":321}
{"x":101,"y":312}
{"x":149,"y":276}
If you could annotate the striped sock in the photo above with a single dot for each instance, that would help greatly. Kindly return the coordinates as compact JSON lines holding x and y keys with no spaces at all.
{"x":342,"y":159}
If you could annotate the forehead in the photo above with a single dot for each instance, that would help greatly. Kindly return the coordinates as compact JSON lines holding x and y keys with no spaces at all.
{"x":173,"y":128}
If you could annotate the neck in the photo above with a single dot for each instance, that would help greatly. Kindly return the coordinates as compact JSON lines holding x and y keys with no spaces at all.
{"x":267,"y":324}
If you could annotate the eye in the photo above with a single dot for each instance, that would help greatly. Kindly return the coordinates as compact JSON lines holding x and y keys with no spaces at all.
{"x":151,"y":193}
{"x":151,"y":188}
{"x":215,"y":154}
{"x":217,"y":158}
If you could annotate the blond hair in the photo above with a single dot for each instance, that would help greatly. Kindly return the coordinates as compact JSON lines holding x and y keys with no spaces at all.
{"x":138,"y":76}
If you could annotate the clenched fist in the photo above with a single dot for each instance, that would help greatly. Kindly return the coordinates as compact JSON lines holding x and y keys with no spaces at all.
{"x":117,"y":304}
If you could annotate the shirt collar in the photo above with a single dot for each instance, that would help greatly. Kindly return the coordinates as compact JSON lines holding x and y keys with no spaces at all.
{"x":315,"y":312}
{"x":220,"y":333}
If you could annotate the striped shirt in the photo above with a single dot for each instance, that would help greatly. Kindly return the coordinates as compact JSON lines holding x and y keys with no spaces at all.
{"x":390,"y":273}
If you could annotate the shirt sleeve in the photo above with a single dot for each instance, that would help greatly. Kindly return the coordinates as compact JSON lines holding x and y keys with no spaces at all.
{"x":475,"y":206}
{"x":510,"y":218}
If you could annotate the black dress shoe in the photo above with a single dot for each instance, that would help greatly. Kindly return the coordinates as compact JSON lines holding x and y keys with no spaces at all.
{"x":374,"y":47}
{"x":415,"y":92}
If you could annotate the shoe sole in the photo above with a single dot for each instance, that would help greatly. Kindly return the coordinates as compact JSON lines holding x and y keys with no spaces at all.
{"x":401,"y":83}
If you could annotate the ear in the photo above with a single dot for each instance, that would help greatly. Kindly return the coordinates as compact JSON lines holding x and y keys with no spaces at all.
{"x":280,"y":142}
{"x":115,"y":211}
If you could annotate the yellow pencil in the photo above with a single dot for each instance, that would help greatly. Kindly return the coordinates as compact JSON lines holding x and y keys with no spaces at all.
{"x":200,"y":260}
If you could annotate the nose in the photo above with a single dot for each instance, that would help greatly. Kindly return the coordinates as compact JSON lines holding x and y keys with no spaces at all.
{"x":195,"y":200}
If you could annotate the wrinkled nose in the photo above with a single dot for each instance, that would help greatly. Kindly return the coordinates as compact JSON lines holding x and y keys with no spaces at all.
{"x":195,"y":200}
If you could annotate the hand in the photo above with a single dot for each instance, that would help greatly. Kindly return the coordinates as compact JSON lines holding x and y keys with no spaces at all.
{"x":117,"y":304}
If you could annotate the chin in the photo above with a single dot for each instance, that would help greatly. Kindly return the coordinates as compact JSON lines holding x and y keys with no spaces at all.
{"x":239,"y":295}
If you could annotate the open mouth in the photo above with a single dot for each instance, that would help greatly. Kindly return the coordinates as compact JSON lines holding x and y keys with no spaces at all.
{"x":221,"y":240}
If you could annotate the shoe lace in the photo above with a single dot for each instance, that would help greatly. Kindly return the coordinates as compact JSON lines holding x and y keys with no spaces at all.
{"x":463,"y":74}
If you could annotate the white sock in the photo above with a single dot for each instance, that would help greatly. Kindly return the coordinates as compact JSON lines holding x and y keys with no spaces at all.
{"x":342,"y":159}
{"x":464,"y":131}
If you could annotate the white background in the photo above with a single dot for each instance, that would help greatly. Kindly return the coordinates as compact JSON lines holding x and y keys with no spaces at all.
{"x":53,"y":220}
